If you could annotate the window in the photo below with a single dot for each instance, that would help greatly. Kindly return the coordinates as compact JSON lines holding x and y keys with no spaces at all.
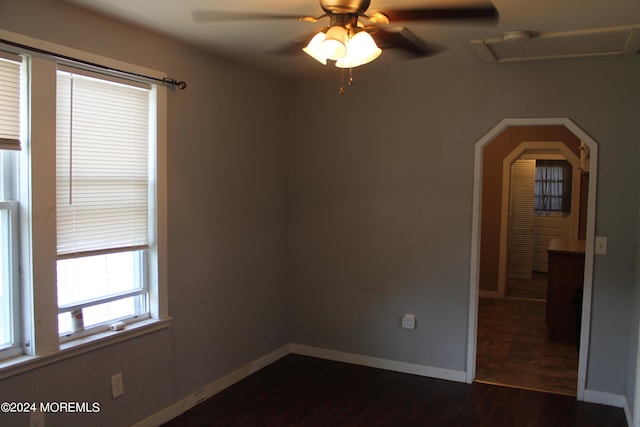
{"x":82,"y":203}
{"x":10,"y":112}
{"x":103,"y":184}
{"x":552,"y":186}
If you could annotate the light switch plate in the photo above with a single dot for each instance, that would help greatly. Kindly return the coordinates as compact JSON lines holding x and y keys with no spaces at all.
{"x":600,"y":245}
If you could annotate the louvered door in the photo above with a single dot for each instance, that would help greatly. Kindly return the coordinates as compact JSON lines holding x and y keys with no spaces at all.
{"x":520,"y":251}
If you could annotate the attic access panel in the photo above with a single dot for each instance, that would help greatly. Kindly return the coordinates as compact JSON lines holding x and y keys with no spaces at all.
{"x":569,"y":44}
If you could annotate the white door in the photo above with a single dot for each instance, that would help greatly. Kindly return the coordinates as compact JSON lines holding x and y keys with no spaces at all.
{"x":520,"y":248}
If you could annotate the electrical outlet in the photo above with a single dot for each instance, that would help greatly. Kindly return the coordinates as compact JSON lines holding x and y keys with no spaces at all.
{"x":409,"y":321}
{"x":117,"y":385}
{"x":36,"y":419}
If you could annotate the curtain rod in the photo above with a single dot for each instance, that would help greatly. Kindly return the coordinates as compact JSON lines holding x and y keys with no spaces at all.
{"x":180,"y":84}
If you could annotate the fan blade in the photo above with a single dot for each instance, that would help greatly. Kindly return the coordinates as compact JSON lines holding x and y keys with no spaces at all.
{"x":487,"y":12}
{"x":294,"y":47}
{"x":404,"y":40}
{"x":220,"y":15}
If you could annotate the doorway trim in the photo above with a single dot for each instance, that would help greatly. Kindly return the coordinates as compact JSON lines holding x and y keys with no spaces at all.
{"x":475,"y":240}
{"x":522,"y":148}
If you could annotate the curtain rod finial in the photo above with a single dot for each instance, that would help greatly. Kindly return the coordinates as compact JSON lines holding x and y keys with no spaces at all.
{"x":179,"y":84}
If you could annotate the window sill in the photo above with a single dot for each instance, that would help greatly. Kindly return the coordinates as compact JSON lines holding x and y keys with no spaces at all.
{"x":551,"y":214}
{"x":20,"y":364}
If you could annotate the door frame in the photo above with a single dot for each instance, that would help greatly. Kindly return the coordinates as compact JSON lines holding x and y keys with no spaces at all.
{"x":521,"y":149}
{"x":475,"y":240}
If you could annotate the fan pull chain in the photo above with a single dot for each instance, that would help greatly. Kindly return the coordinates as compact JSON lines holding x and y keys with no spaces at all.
{"x":350,"y":82}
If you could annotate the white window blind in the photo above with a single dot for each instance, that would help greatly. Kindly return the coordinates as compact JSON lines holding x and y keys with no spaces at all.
{"x":9,"y":102}
{"x":102,"y":166}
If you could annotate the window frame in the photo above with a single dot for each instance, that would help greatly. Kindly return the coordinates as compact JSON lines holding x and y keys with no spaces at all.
{"x":141,"y":295}
{"x":11,"y":155}
{"x":565,"y":184}
{"x":88,"y":83}
{"x":12,"y":276}
{"x":41,"y":343}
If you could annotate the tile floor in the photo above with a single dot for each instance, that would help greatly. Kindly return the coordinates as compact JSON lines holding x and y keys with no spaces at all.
{"x":514,"y":348}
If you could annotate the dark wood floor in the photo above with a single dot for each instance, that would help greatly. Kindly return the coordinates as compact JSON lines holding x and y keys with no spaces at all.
{"x":513,"y":344}
{"x":304,"y":391}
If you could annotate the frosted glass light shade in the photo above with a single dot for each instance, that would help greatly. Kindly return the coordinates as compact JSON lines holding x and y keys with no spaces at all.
{"x":334,"y":44}
{"x":314,"y":48}
{"x":361,"y":49}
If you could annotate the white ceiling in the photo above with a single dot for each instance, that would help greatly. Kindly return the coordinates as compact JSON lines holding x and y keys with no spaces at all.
{"x":251,"y":41}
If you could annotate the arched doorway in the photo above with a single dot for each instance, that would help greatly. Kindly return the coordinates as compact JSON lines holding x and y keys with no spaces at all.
{"x":476,"y":239}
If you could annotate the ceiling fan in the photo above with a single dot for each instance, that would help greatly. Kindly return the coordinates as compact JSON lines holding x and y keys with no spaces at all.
{"x":354,"y":37}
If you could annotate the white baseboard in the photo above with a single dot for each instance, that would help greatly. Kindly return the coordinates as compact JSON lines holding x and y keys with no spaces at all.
{"x":627,"y":412}
{"x":188,"y":402}
{"x":605,"y":398}
{"x":610,"y":399}
{"x":183,"y":405}
{"x":376,"y":362}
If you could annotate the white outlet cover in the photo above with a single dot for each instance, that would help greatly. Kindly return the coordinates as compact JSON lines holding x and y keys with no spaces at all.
{"x":409,"y":321}
{"x":117,"y":385}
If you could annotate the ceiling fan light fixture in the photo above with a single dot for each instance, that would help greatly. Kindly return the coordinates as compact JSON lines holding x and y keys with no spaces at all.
{"x":361,"y":49}
{"x":314,"y":48}
{"x":334,"y":44}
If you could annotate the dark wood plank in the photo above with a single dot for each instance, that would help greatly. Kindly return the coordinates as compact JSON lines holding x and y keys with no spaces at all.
{"x":305,"y":391}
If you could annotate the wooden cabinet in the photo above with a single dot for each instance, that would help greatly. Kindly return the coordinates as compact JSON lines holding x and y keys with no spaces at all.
{"x":564,"y":288}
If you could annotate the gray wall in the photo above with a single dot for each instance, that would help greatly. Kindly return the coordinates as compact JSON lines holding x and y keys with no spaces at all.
{"x":380,"y":208}
{"x":225,"y":226}
{"x":634,"y":345}
{"x":325,"y":237}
